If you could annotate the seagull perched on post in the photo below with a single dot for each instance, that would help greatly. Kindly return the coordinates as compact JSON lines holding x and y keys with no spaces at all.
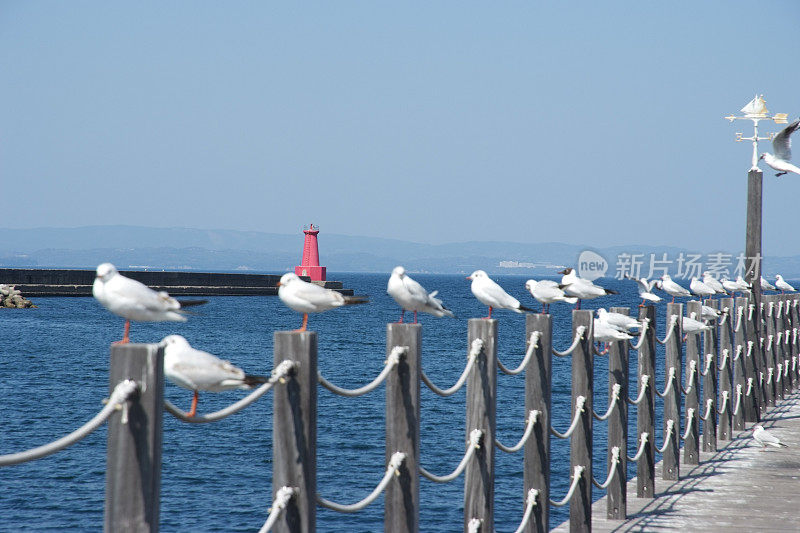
{"x":764,"y":438}
{"x":712,"y":282}
{"x":133,"y":300}
{"x":197,"y":370}
{"x":672,"y":288}
{"x":490,"y":293}
{"x":581,"y":288}
{"x":701,"y":289}
{"x":781,"y":284}
{"x":305,"y":297}
{"x":782,"y":146}
{"x":411,"y":296}
{"x":617,"y":320}
{"x":766,"y":285}
{"x":547,"y":292}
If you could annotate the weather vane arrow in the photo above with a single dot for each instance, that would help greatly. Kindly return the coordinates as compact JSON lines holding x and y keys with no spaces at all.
{"x":756,"y":110}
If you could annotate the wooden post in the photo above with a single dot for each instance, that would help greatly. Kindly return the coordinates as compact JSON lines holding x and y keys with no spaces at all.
{"x":645,"y":411}
{"x":672,"y":399}
{"x":538,"y":387}
{"x":133,"y":455}
{"x":747,"y":406}
{"x":710,"y":383}
{"x":753,"y":234}
{"x":770,"y":352}
{"x":753,"y":365}
{"x":760,"y":318}
{"x":294,"y":431}
{"x":617,"y":495}
{"x":580,"y":449}
{"x":794,"y":343}
{"x":788,"y":323}
{"x":401,"y":507}
{"x":781,"y":324}
{"x":691,"y":446}
{"x":481,"y":409}
{"x":725,"y":377}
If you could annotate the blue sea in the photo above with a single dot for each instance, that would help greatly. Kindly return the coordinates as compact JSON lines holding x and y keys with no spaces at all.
{"x":217,"y":477}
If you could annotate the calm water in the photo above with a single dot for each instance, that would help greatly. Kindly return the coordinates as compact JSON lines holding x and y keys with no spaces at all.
{"x":217,"y":477}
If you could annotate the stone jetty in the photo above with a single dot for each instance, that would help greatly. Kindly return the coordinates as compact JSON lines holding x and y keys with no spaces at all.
{"x":12,"y":298}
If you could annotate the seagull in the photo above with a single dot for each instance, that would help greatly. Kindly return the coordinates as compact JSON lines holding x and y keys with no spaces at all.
{"x":691,"y":326}
{"x":305,"y":297}
{"x":581,"y":288}
{"x":197,"y":370}
{"x":411,"y":296}
{"x":672,"y":288}
{"x":605,"y":332}
{"x":646,"y":289}
{"x":781,"y":284}
{"x":733,"y":286}
{"x":782,"y":146}
{"x":547,"y":292}
{"x":133,"y":300}
{"x":701,"y":289}
{"x":617,"y":320}
{"x":765,"y":438}
{"x":712,"y":282}
{"x":709,"y":313}
{"x":766,"y":285}
{"x":490,"y":293}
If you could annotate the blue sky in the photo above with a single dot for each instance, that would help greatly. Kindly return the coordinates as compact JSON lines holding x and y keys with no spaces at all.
{"x":597,"y":123}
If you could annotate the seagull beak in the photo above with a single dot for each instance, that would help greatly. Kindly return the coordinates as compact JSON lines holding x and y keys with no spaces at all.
{"x":563,"y":272}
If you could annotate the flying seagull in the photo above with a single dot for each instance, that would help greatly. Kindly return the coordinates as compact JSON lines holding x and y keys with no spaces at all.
{"x":197,"y":370}
{"x":133,"y":300}
{"x":490,"y":293}
{"x":411,"y":296}
{"x":305,"y":297}
{"x":764,"y":438}
{"x":782,"y":146}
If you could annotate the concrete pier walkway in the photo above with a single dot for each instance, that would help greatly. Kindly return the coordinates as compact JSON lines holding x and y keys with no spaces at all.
{"x":738,"y":488}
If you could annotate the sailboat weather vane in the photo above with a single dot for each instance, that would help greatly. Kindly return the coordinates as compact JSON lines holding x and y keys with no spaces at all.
{"x":756,"y":110}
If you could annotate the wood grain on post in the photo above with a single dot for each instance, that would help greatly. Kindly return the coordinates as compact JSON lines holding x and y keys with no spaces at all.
{"x":741,"y":367}
{"x":580,"y":449}
{"x":710,"y":383}
{"x":753,"y":365}
{"x":725,"y":375}
{"x":294,"y":431}
{"x":133,"y":457}
{"x":770,"y":351}
{"x":617,"y":495}
{"x":645,"y":411}
{"x":672,"y":400}
{"x":691,"y":446}
{"x":401,"y":507}
{"x":538,"y":387}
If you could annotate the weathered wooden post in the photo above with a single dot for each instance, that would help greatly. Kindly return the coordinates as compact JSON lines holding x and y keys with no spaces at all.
{"x":580,"y":449}
{"x":672,"y":394}
{"x":709,"y":366}
{"x":294,"y":431}
{"x":770,"y":358}
{"x":691,"y":446}
{"x":782,"y":320}
{"x":645,"y":411}
{"x":401,"y":507}
{"x":741,"y":366}
{"x":794,"y":343}
{"x":617,"y":495}
{"x":538,"y":387}
{"x":753,"y":236}
{"x":726,"y":352}
{"x":133,"y":456}
{"x":753,"y":366}
{"x":788,"y":324}
{"x":481,"y":410}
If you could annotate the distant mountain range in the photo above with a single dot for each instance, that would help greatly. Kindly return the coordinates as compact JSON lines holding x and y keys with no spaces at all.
{"x":230,"y":250}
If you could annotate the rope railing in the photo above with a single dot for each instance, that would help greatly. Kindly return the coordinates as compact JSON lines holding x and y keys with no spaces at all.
{"x":709,"y":407}
{"x":279,"y":374}
{"x":725,"y":313}
{"x":750,"y":309}
{"x":576,"y":477}
{"x":533,"y":343}
{"x":643,"y":438}
{"x":779,"y":373}
{"x":769,"y":310}
{"x":770,"y":371}
{"x":738,"y":399}
{"x":615,"y":390}
{"x":740,"y":313}
{"x":691,"y":376}
{"x":642,"y":334}
{"x":668,"y":385}
{"x":282,"y":498}
{"x":786,"y":336}
{"x":612,"y":470}
{"x":475,"y":437}
{"x":673,"y":321}
{"x":725,"y":399}
{"x":579,"y":331}
{"x":725,"y":355}
{"x":475,"y":350}
{"x":750,"y":345}
{"x":668,"y":438}
{"x":579,"y":402}
{"x":769,"y":342}
{"x":644,"y":379}
{"x":533,"y":415}
{"x":709,"y":360}
{"x":118,"y":401}
{"x":689,"y":422}
{"x":750,"y":386}
{"x":394,"y":464}
{"x":391,"y":361}
{"x":530,"y":503}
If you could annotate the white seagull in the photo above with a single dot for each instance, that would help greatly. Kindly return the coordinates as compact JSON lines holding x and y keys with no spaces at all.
{"x":781,"y":284}
{"x":581,"y":288}
{"x":734,"y":286}
{"x":411,"y":296}
{"x":490,"y":293}
{"x":709,"y":313}
{"x":605,"y":332}
{"x":712,"y":282}
{"x":672,"y":288}
{"x":764,"y":438}
{"x":547,"y":292}
{"x":617,"y":320}
{"x":197,"y":370}
{"x":646,"y":289}
{"x":305,"y":297}
{"x":701,"y":289}
{"x":782,"y":146}
{"x":133,"y":300}
{"x":691,"y":326}
{"x":766,"y":285}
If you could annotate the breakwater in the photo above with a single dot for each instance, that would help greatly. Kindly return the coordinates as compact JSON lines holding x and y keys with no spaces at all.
{"x":66,"y":282}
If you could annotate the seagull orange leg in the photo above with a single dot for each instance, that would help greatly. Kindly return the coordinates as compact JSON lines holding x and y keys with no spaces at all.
{"x":125,"y":338}
{"x":193,"y":410}
{"x":415,"y":317}
{"x":402,"y":315}
{"x":490,"y":314}
{"x":305,"y":323}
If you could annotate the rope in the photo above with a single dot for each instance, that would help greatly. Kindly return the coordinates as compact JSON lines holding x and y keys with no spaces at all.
{"x":770,"y":371}
{"x":780,"y":308}
{"x":474,"y":443}
{"x":760,"y":378}
{"x":750,"y":345}
{"x":612,"y":469}
{"x":751,"y":308}
{"x":579,"y":331}
{"x":532,"y":416}
{"x":769,"y":311}
{"x":642,"y":442}
{"x":643,"y":388}
{"x":689,"y":422}
{"x":282,"y":498}
{"x":739,"y":350}
{"x":642,"y":334}
{"x":786,"y":337}
{"x":769,"y":342}
{"x":740,"y":312}
{"x":477,"y":346}
{"x":709,"y":405}
{"x":668,"y":386}
{"x":579,"y":401}
{"x":670,"y":428}
{"x":738,"y":399}
{"x":392,"y":361}
{"x":576,"y":477}
{"x":394,"y":464}
{"x":278,"y":374}
{"x":691,"y":377}
{"x":611,"y":404}
{"x":749,"y":386}
{"x":474,"y":525}
{"x":530,"y":503}
{"x":709,"y":359}
{"x":724,"y":317}
{"x":533,"y":343}
{"x":119,"y":397}
{"x":779,"y":373}
{"x":673,"y":320}
{"x":724,"y":360}
{"x":725,"y":395}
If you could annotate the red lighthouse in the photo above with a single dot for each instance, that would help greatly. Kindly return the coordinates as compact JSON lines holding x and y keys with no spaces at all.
{"x":310,"y":264}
